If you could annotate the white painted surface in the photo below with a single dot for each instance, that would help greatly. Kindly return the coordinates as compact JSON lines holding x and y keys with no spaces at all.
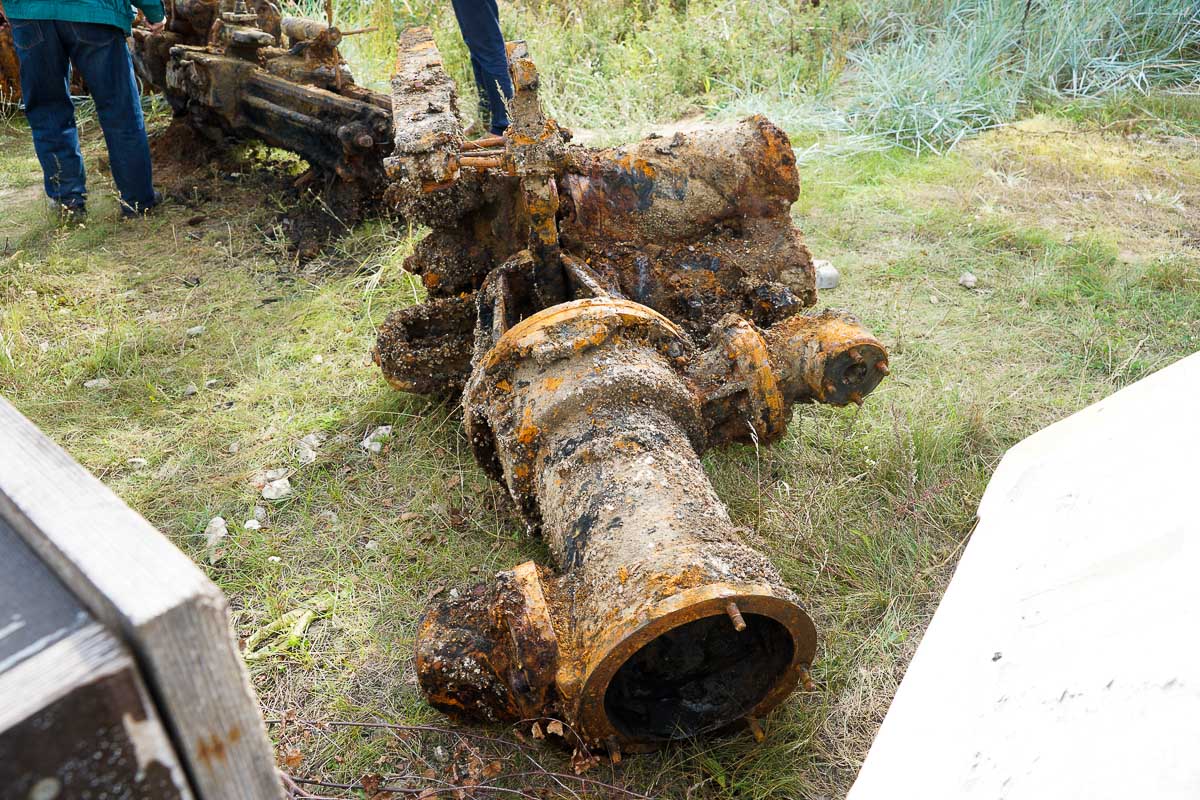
{"x":1083,"y":576}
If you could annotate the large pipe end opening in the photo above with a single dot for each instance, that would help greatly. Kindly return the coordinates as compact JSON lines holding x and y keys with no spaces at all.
{"x":700,"y":676}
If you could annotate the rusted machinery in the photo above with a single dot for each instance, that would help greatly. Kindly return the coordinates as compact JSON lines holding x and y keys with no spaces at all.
{"x":10,"y":70}
{"x":606,"y":316}
{"x":245,"y":71}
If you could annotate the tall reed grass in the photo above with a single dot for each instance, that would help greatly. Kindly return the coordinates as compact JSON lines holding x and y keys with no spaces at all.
{"x":921,"y":74}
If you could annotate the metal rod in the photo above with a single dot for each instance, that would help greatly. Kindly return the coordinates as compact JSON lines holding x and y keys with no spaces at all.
{"x":756,"y":729}
{"x":484,"y":142}
{"x":480,"y":162}
{"x":739,"y":624}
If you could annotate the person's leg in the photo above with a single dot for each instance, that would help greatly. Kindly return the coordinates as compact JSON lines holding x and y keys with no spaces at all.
{"x":100,"y":55}
{"x":48,"y":108}
{"x":479,"y":21}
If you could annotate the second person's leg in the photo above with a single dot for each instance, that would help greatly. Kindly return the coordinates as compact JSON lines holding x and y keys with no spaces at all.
{"x":479,"y":21}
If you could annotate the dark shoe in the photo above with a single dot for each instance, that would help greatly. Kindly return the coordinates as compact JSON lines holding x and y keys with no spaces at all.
{"x":134,"y":211}
{"x":73,"y":214}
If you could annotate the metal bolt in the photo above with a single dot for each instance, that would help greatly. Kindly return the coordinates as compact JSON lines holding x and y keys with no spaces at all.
{"x":806,"y":681}
{"x":739,"y":624}
{"x":614,"y":749}
{"x":883,"y":368}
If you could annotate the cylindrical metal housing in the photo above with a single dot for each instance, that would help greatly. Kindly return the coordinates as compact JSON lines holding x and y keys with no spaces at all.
{"x":584,"y":411}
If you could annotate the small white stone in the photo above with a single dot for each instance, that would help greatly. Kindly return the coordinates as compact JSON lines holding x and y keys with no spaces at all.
{"x":260,"y":514}
{"x":195,"y":331}
{"x":274,"y":559}
{"x":211,"y":383}
{"x":214,"y":533}
{"x":314,"y":439}
{"x":373,"y":442}
{"x":967,"y":280}
{"x":372,"y":545}
{"x":234,"y":447}
{"x":190,"y":390}
{"x":252,"y":524}
{"x":97,"y":383}
{"x":306,"y":448}
{"x":265,"y":476}
{"x":827,"y":274}
{"x":317,"y":359}
{"x":277,"y":489}
{"x":933,"y":299}
{"x":136,"y":462}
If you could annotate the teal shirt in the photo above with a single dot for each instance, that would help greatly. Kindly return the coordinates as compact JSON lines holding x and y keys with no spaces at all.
{"x":118,"y":13}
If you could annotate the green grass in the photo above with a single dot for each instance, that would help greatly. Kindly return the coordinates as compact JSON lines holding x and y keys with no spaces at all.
{"x":1088,"y":258}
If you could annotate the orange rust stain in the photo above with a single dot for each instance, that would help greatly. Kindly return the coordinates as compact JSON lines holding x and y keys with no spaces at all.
{"x":504,"y":385}
{"x":208,"y":751}
{"x":622,"y":575}
{"x":528,"y":432}
{"x":552,"y":384}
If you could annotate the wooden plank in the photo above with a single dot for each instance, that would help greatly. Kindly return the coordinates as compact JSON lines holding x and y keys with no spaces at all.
{"x":132,"y":579}
{"x":77,"y":722}
{"x":1062,"y":661}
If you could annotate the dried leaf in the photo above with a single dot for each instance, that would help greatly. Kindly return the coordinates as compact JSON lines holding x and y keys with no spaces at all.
{"x":536,"y":730}
{"x":293,"y":758}
{"x":492,"y":769}
{"x":371,"y":783}
{"x":582,"y":761}
{"x":434,"y":592}
{"x":555,"y":727}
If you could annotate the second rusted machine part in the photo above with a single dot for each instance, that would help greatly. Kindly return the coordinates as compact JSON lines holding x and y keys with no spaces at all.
{"x":10,"y":68}
{"x":238,"y":70}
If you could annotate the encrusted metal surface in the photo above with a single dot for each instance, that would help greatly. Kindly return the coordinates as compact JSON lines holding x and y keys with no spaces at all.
{"x":248,"y":73}
{"x":608,"y":315}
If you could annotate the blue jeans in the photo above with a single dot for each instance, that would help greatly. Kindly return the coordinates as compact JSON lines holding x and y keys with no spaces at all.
{"x":46,"y":49}
{"x":479,"y":21}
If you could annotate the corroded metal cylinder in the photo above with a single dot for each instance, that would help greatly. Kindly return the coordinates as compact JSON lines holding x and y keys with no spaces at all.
{"x":663,"y":623}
